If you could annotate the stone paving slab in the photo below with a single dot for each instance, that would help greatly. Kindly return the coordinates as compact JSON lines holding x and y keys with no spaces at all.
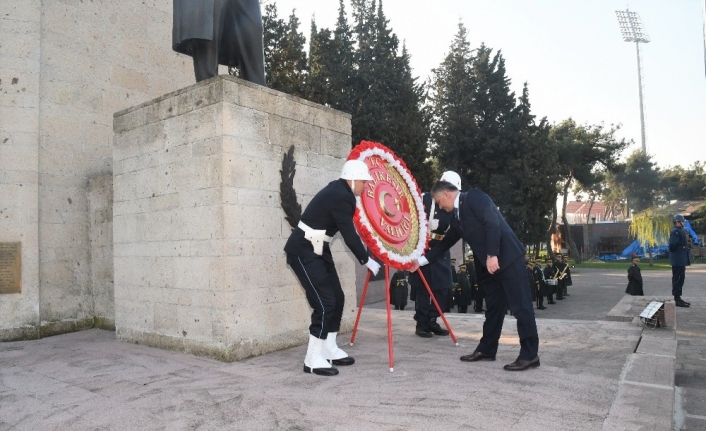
{"x":88,"y":380}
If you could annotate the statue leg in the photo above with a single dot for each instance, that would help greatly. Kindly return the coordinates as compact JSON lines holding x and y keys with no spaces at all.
{"x":205,"y":55}
{"x":250,"y":53}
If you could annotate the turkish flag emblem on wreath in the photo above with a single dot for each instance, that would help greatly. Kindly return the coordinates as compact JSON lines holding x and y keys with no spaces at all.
{"x":389,"y":213}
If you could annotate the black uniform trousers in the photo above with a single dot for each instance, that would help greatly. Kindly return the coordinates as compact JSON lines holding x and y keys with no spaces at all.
{"x":678,"y":274}
{"x":245,"y":20}
{"x":505,"y":290}
{"x":423,"y":305}
{"x":323,"y":291}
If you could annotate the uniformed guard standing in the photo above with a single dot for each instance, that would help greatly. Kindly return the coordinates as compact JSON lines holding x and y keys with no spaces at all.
{"x":438,"y":273}
{"x":530,"y":276}
{"x":463,"y":296}
{"x":478,"y":291}
{"x":679,"y":250}
{"x":309,"y":255}
{"x":550,"y":280}
{"x":539,"y":284}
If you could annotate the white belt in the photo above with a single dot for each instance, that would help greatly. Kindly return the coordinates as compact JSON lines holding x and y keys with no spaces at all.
{"x":317,"y":237}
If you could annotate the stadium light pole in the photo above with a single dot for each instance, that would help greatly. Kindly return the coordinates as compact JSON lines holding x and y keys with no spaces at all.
{"x":632,"y":31}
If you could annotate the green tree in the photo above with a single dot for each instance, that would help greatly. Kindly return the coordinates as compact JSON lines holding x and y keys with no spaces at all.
{"x":677,"y":183}
{"x":285,"y":59}
{"x":583,"y":152}
{"x":640,"y":178}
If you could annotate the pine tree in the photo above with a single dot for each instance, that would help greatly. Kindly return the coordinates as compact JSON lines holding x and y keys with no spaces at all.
{"x":285,"y":59}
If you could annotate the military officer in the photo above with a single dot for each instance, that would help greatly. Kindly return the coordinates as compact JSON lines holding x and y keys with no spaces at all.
{"x":439,"y":273}
{"x":309,"y":255}
{"x":463,"y":296}
{"x":567,"y":278}
{"x":678,"y":258}
{"x":561,"y":273}
{"x":539,"y":284}
{"x":398,"y":290}
{"x":550,"y":274}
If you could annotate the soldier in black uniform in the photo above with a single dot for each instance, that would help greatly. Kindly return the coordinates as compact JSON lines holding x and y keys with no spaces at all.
{"x":438,"y":274}
{"x":309,"y":256}
{"x":539,"y":284}
{"x":398,"y":290}
{"x":561,"y":273}
{"x":463,"y":296}
{"x":530,"y":276}
{"x":477,"y":290}
{"x":550,"y":274}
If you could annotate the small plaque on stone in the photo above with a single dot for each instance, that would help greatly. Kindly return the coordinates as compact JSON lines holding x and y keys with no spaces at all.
{"x":10,"y":267}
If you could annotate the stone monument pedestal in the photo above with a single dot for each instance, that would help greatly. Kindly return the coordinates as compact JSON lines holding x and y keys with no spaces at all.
{"x":197,"y":223}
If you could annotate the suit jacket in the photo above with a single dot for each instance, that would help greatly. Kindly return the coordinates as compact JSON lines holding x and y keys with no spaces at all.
{"x":483,"y":227}
{"x":678,"y":247}
{"x":331,"y":209}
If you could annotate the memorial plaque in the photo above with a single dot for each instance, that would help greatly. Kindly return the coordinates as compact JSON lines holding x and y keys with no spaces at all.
{"x":10,"y":267}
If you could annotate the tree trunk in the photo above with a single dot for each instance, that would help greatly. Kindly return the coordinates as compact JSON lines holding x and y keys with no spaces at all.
{"x":569,"y":241}
{"x":552,"y":229}
{"x":590,"y":207}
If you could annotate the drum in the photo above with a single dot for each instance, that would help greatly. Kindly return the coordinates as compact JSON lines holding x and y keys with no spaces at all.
{"x":552,"y":282}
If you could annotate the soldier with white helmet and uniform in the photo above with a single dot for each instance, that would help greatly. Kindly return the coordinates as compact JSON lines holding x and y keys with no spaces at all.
{"x":438,"y":273}
{"x":308,"y":254}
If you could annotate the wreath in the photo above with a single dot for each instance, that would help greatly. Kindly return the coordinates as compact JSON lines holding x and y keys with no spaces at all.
{"x":389,"y":214}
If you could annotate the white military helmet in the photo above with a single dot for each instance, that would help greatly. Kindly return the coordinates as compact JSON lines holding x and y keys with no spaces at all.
{"x":451,"y":177}
{"x":355,"y":170}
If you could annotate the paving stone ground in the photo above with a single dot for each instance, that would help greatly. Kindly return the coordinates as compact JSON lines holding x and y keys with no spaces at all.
{"x":89,"y":381}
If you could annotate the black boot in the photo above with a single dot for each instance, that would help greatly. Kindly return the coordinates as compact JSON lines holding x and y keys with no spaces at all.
{"x":423,"y":330}
{"x":680,"y":302}
{"x":436,"y":328}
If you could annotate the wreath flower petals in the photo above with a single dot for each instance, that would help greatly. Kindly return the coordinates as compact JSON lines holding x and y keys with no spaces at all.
{"x":365,"y":228}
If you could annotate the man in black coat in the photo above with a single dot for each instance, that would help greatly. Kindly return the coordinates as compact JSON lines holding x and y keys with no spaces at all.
{"x":635,"y":278}
{"x":309,"y":255}
{"x":500,"y":268}
{"x":214,"y":32}
{"x":561,"y":268}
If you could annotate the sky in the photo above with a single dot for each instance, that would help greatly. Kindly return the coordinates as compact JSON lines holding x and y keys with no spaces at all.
{"x":573,"y":58}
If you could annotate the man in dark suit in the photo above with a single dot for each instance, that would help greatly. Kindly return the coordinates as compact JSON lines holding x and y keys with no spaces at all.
{"x":500,"y":267}
{"x":214,"y":32}
{"x":539,"y":284}
{"x":308,"y":254}
{"x":679,"y":258}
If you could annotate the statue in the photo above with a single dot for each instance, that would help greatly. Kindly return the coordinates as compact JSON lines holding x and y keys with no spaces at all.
{"x":214,"y":32}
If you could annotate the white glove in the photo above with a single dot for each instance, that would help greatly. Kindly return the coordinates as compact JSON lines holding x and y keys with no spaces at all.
{"x":434,"y":224}
{"x":373,"y":266}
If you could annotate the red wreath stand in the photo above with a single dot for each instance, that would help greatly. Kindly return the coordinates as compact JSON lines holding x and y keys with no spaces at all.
{"x":388,"y":220}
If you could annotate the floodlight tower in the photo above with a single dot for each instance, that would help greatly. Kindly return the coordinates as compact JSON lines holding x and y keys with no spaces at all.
{"x":631,"y":28}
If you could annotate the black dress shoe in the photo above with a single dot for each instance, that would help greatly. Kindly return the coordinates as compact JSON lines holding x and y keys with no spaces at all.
{"x":342,"y":362}
{"x":680,"y":303}
{"x":477,"y":356}
{"x":541,"y":307}
{"x":423,"y":331}
{"x":561,"y":299}
{"x":522,"y":364}
{"x":553,"y":302}
{"x":437,"y":329}
{"x":321,"y":371}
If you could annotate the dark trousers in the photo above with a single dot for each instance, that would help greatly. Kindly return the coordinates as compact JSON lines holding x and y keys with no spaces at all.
{"x":560,"y":290}
{"x":505,"y":290}
{"x":240,"y":21}
{"x":478,"y":305}
{"x":678,"y":273}
{"x":323,"y":290}
{"x":540,"y":300}
{"x":424,"y":307}
{"x":463,"y":308}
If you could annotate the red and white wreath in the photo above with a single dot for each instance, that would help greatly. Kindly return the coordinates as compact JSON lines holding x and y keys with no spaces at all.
{"x":389,"y":213}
